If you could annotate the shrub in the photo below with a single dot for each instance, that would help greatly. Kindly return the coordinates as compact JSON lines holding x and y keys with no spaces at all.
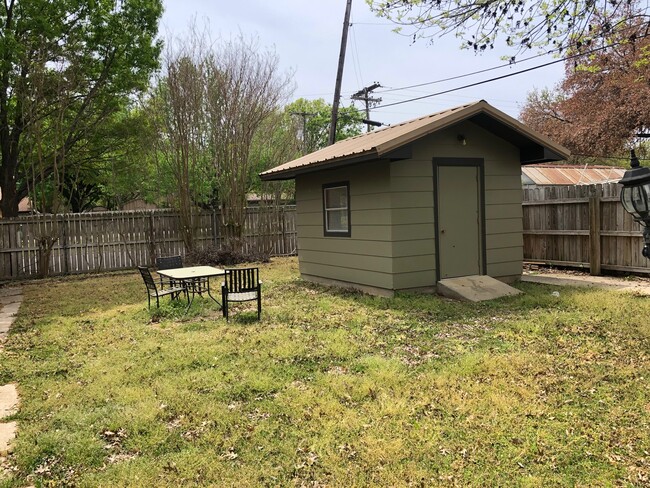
{"x":212,"y":255}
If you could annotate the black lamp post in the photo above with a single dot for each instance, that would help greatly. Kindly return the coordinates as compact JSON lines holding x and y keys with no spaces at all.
{"x":635,"y":197}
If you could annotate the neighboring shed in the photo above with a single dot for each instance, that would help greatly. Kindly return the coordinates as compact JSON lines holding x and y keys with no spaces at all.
{"x":545,"y":175}
{"x":24,"y":206}
{"x":403,"y":207}
{"x":139,"y":204}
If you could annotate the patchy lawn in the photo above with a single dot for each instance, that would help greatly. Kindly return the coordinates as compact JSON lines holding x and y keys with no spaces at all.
{"x":332,"y":388}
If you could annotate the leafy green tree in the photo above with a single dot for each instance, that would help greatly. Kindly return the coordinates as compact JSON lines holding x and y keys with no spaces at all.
{"x":523,"y":24}
{"x":66,"y":67}
{"x":313,"y":117}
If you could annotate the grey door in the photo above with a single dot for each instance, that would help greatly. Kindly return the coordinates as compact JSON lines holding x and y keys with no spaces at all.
{"x":459,"y":221}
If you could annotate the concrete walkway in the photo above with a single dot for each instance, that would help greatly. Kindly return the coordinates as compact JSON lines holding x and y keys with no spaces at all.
{"x":10,"y":300}
{"x":640,"y":286}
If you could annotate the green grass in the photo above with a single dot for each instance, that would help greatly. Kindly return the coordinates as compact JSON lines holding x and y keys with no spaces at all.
{"x":331,"y":388}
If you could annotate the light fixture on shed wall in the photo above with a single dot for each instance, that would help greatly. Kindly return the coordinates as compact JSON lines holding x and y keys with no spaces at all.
{"x":462,"y":140}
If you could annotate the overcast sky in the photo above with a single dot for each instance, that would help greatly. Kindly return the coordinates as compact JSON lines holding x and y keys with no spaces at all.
{"x":306,"y":35}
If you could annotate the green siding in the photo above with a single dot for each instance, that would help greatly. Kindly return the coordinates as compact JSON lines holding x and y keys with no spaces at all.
{"x":498,"y":241}
{"x":509,"y":211}
{"x":409,"y":232}
{"x":413,"y":199}
{"x":349,"y":275}
{"x":500,"y":197}
{"x":347,"y":246}
{"x":498,"y":270}
{"x":364,"y":257}
{"x":504,"y":226}
{"x":420,"y":247}
{"x":360,"y":232}
{"x":417,"y":279}
{"x":504,"y":182}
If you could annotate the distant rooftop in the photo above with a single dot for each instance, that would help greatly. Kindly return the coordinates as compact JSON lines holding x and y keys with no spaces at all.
{"x":569,"y":174}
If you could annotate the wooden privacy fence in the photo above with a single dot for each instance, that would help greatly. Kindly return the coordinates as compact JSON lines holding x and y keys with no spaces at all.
{"x":103,"y":241}
{"x":582,"y":226}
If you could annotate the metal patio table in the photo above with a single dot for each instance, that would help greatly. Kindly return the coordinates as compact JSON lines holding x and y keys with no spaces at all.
{"x":195,"y":279}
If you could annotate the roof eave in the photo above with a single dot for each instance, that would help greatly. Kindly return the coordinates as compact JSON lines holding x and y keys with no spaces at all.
{"x":291,"y":173}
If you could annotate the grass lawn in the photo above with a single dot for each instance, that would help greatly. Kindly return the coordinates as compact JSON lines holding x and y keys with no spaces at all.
{"x":331,"y":388}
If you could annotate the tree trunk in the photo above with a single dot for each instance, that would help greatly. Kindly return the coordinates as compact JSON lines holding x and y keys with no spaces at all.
{"x":9,"y":200}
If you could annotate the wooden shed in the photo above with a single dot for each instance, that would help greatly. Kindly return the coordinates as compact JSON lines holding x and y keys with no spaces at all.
{"x":404,"y":207}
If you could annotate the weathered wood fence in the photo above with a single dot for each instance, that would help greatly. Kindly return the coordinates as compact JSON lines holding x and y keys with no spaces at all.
{"x":103,"y":241}
{"x":582,"y":226}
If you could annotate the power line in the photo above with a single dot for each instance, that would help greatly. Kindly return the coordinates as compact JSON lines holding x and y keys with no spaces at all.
{"x":355,"y":55}
{"x":465,"y":75}
{"x":561,"y":60}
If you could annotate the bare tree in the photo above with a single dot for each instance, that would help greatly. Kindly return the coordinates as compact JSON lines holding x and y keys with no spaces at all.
{"x":181,"y":148}
{"x":210,"y":103}
{"x":244,"y":88}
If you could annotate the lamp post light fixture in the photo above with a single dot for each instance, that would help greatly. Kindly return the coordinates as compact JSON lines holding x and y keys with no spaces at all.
{"x":635,"y":197}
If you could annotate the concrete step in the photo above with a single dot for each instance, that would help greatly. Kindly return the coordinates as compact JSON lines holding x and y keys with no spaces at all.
{"x":475,"y":288}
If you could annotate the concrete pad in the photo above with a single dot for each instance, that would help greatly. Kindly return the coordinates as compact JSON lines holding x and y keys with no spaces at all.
{"x":607,"y":282}
{"x":9,"y":400}
{"x":7,"y":435}
{"x":475,"y":288}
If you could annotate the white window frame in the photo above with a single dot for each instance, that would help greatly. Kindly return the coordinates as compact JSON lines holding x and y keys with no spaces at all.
{"x":327,"y":231}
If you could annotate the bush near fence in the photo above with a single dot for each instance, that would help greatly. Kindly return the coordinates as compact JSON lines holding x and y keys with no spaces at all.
{"x":582,"y":226}
{"x":38,"y":245}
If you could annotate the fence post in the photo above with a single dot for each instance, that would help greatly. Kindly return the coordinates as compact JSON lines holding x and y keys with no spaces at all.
{"x":215,"y":227}
{"x":284,"y":234}
{"x":152,"y":240}
{"x":13,"y":246}
{"x":65,"y":246}
{"x":594,"y":233}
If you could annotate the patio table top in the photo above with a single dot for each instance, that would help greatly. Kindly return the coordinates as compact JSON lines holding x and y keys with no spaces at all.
{"x":191,"y":272}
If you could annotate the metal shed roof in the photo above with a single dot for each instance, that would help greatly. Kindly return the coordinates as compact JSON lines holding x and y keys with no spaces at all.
{"x":534,"y":147}
{"x":564,"y":174}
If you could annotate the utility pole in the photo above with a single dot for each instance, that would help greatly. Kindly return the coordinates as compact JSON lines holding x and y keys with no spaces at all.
{"x":339,"y":73}
{"x":363,"y":95}
{"x":304,"y":116}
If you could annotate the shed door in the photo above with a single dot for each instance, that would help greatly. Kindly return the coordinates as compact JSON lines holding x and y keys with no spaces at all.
{"x":459,"y":221}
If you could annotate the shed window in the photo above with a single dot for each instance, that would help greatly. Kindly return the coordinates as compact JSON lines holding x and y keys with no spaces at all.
{"x":336,"y":209}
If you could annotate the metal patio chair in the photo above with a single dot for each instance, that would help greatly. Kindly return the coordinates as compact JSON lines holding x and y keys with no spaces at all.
{"x":153,"y":291}
{"x":168,"y":262}
{"x":241,"y":285}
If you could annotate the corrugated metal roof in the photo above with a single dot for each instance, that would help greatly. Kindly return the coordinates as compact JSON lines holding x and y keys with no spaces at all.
{"x":382,"y":141}
{"x":571,"y":174}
